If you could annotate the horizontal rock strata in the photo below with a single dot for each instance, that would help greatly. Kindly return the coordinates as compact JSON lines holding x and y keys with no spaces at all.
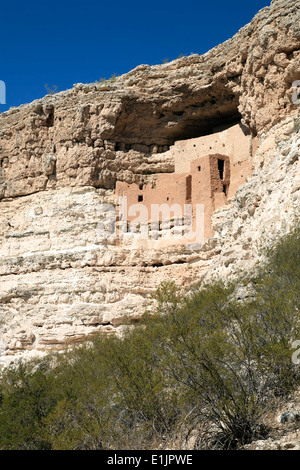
{"x":62,"y":156}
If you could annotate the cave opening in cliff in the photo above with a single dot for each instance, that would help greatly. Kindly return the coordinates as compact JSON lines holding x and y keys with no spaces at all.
{"x":50,"y":118}
{"x":201,"y":127}
{"x":160,"y":125}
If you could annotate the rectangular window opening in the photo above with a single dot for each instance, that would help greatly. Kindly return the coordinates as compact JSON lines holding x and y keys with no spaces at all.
{"x":188,"y":194}
{"x":221,"y":168}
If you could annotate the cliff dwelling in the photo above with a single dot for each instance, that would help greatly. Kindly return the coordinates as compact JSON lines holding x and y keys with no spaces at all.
{"x":167,"y":134}
{"x":208,"y":171}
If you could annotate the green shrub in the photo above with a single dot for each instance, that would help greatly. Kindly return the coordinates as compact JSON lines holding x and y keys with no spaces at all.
{"x":232,"y":358}
{"x":26,"y":401}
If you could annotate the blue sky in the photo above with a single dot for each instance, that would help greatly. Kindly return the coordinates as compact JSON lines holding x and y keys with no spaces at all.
{"x":67,"y":42}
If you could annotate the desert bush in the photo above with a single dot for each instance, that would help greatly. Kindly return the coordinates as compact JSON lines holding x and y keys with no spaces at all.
{"x":228,"y":363}
{"x":26,"y":400}
{"x":232,"y":358}
{"x":112,"y":396}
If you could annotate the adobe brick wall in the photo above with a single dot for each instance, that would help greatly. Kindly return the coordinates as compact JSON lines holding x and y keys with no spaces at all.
{"x":208,"y":171}
{"x":207,"y":183}
{"x":234,"y":141}
{"x":169,"y":188}
{"x":208,"y":188}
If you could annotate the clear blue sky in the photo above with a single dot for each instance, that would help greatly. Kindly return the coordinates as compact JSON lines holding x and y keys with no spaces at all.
{"x":65,"y":42}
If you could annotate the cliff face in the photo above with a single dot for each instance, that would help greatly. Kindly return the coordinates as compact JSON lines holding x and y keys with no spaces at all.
{"x":63,"y":156}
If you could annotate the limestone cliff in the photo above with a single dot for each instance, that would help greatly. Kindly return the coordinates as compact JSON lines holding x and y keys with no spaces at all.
{"x":62,"y":158}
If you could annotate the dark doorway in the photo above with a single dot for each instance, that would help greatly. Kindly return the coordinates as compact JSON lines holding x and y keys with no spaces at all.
{"x":221,"y":168}
{"x":188,"y":195}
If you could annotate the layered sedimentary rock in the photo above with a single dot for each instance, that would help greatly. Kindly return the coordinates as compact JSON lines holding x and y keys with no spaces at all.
{"x":65,"y":273}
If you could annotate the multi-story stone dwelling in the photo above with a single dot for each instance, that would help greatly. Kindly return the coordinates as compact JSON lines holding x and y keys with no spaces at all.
{"x":208,"y":171}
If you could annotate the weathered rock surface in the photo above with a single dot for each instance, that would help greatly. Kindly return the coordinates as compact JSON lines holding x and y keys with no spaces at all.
{"x":284,"y":425}
{"x":263,"y":208}
{"x":61,"y":156}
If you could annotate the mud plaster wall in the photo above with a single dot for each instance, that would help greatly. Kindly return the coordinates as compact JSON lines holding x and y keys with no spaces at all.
{"x":206,"y":183}
{"x":209,"y":186}
{"x":235,"y":142}
{"x":208,"y":171}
